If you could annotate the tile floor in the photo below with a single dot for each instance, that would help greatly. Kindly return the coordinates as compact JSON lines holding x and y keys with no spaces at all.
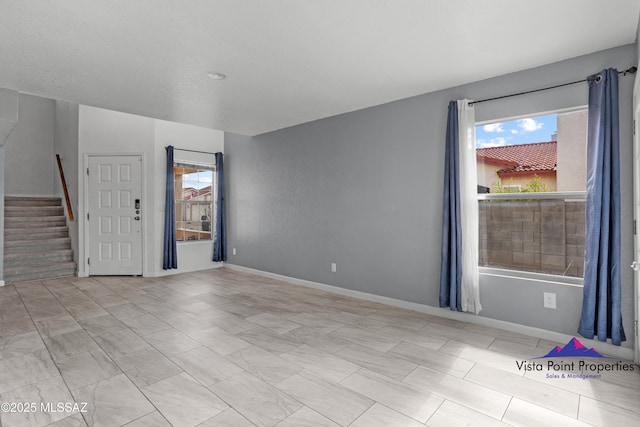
{"x":227,"y":348}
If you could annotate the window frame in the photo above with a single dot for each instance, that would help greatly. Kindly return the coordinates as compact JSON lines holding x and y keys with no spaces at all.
{"x":567,"y":195}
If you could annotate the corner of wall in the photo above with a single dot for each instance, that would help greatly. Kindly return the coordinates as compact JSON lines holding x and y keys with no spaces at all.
{"x":66,"y":145}
{"x":638,"y":40}
{"x":8,"y":120}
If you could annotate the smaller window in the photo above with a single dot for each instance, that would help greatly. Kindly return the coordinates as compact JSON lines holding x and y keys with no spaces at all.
{"x":194,"y":200}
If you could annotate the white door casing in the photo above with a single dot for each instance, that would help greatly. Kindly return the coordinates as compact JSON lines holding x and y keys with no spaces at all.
{"x":114,"y":215}
{"x":636,"y":216}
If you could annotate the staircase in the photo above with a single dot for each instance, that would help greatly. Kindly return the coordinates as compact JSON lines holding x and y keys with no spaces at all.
{"x":37,"y":243}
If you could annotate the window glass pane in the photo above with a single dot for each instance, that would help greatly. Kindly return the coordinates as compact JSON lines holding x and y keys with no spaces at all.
{"x":544,"y":236}
{"x":538,"y":154}
{"x":194,"y":207}
{"x":179,"y":193}
{"x":180,"y":210}
{"x":190,"y":181}
{"x":179,"y":185}
{"x":179,"y":231}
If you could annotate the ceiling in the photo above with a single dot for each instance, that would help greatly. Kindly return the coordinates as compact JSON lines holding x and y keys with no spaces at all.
{"x":288,"y":61}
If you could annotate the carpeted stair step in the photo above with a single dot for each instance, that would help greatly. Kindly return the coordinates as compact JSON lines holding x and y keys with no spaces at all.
{"x":20,"y":259}
{"x":35,"y":233}
{"x":20,"y":274}
{"x":37,"y":244}
{"x":34,"y":222}
{"x":32,"y":201}
{"x":26,"y":246}
{"x":32,"y":211}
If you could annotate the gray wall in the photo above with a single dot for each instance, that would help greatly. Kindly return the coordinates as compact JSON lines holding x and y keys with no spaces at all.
{"x":364,"y":190}
{"x":30,"y":167}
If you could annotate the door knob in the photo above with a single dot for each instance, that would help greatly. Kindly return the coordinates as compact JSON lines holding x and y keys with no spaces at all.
{"x":635,"y":265}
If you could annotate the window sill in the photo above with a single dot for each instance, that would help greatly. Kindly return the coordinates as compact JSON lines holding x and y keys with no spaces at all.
{"x":537,"y":277}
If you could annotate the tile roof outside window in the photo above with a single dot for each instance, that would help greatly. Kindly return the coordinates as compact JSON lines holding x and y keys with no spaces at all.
{"x":539,"y":156}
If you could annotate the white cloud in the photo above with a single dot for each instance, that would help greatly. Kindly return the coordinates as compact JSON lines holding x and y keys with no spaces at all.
{"x":493,"y":127}
{"x":493,"y":142}
{"x":514,"y":131}
{"x":529,"y":125}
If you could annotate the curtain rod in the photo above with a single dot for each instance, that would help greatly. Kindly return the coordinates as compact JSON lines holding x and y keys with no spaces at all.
{"x":194,"y":151}
{"x":631,"y":70}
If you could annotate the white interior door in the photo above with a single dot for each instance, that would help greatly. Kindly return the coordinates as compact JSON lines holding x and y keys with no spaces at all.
{"x":115,"y":215}
{"x":636,"y":215}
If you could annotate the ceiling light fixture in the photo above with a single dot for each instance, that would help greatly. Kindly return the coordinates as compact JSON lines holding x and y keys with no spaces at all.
{"x":216,"y":76}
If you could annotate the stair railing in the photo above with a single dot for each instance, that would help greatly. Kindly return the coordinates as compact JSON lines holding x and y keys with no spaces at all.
{"x":64,"y":188}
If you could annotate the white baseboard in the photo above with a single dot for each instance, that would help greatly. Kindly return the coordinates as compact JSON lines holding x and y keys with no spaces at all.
{"x":171,"y":272}
{"x":602,"y":347}
{"x":161,"y":273}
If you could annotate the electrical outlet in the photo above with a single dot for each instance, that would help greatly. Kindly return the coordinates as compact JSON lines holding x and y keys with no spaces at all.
{"x":234,"y":251}
{"x":549,"y":300}
{"x":333,"y":267}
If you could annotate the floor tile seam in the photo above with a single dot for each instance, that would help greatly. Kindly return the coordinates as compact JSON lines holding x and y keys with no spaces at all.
{"x":579,"y":406}
{"x":374,"y":402}
{"x":146,"y":415}
{"x":512,"y":396}
{"x":538,"y":340}
{"x":440,"y":395}
{"x":45,"y":348}
{"x":111,"y":359}
{"x":210,"y":388}
{"x":114,"y":360}
{"x":408,"y":386}
{"x":436,"y":411}
{"x":593,"y":394}
{"x":525,"y":378}
{"x":634,"y":411}
{"x":542,"y":408}
{"x":334,"y":384}
{"x":506,"y":410}
{"x":55,"y":362}
{"x":220,"y":355}
{"x":173,"y":355}
{"x":140,"y":390}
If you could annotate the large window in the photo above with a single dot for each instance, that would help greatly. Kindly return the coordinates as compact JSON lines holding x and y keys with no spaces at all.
{"x":531,"y":185}
{"x":194,"y":201}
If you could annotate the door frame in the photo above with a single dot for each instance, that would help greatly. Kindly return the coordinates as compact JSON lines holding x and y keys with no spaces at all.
{"x":85,"y":226}
{"x":636,"y":216}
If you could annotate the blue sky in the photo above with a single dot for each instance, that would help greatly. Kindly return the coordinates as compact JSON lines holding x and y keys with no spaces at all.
{"x":521,"y":131}
{"x":197,"y":180}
